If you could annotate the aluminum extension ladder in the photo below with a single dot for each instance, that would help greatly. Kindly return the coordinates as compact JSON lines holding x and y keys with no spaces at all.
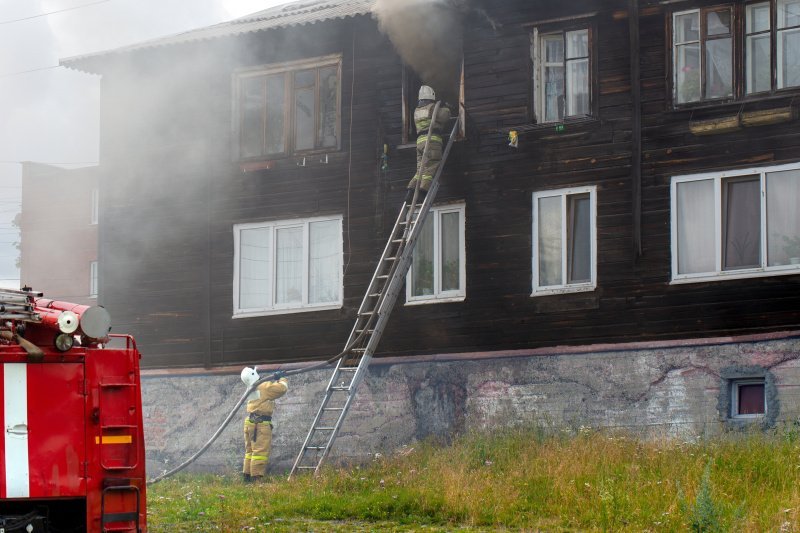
{"x":373,"y":314}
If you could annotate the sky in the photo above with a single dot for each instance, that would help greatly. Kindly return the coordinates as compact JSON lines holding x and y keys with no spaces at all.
{"x":50,"y":115}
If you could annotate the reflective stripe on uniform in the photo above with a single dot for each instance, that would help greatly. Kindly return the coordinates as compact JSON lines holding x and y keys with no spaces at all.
{"x":259,"y":457}
{"x":423,"y":138}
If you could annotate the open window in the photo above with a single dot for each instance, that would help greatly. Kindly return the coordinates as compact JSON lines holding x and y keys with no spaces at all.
{"x":410,"y":93}
{"x":286,"y":109}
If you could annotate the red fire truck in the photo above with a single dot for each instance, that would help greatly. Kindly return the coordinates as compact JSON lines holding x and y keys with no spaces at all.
{"x":72,"y":452}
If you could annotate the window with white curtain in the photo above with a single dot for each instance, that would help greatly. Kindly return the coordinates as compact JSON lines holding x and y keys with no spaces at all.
{"x":564,"y":241}
{"x":287,"y":266}
{"x":741,"y":223}
{"x":562,"y":73}
{"x":438,"y":271}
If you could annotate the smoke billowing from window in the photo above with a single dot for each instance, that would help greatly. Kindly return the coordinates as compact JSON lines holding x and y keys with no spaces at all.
{"x":427,"y":35}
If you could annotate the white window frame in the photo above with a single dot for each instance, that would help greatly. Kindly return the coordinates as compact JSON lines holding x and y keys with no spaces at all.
{"x":93,"y":279}
{"x":735,"y":384}
{"x":440,"y":296}
{"x":539,"y":65}
{"x":95,"y":206}
{"x":278,"y":309}
{"x":565,"y":288}
{"x":720,"y":274}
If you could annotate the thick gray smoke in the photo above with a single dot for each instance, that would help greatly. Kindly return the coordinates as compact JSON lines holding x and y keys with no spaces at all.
{"x":427,"y":35}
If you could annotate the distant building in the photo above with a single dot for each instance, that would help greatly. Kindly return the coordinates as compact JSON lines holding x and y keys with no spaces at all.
{"x":59,"y":231}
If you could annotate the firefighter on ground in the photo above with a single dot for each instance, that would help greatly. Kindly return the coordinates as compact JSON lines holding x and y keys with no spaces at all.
{"x":258,"y":424}
{"x":425,"y":121}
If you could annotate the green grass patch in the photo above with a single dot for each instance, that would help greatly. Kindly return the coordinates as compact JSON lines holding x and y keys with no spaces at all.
{"x":516,"y":480}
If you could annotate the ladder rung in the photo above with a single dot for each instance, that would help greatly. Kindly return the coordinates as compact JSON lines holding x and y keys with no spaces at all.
{"x":362,"y":350}
{"x":338,"y":388}
{"x":333,"y":409}
{"x":382,"y":276}
{"x":374,"y":294}
{"x":348,"y":369}
{"x":392,"y":258}
{"x":306,"y":467}
{"x":315,"y":447}
{"x":397,"y":240}
{"x":366,"y":313}
{"x":326,"y":428}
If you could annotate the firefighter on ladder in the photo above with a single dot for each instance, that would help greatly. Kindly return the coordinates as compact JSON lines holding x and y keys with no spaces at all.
{"x":258,"y":424}
{"x":425,"y":121}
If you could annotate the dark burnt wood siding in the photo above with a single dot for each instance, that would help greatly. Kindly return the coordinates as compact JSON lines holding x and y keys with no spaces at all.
{"x":171,"y":194}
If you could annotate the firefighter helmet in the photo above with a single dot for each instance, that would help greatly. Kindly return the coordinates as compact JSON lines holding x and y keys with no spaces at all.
{"x":249,"y":375}
{"x":426,"y":93}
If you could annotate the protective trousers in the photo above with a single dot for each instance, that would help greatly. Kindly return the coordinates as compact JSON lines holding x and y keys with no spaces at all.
{"x":257,"y":445}
{"x":431,"y":165}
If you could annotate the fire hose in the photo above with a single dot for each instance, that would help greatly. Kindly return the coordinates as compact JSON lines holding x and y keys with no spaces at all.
{"x":244,"y":396}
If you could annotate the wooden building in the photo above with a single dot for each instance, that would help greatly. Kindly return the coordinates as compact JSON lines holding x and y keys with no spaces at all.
{"x":251,"y":172}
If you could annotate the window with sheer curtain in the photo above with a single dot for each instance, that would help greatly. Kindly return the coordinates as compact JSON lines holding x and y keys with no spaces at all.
{"x":287,"y":266}
{"x":564,"y":241}
{"x":562,"y":73}
{"x":438,"y":266}
{"x":706,"y":43}
{"x":741,"y":224}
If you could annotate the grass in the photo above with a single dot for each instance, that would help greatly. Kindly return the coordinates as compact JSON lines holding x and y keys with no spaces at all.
{"x":516,"y":480}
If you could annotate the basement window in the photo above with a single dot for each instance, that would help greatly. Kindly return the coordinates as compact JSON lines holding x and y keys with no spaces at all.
{"x":287,"y":266}
{"x":438,"y":268}
{"x":286,"y":109}
{"x":748,"y":398}
{"x":562,"y":73}
{"x":736,"y":224}
{"x":564,"y":241}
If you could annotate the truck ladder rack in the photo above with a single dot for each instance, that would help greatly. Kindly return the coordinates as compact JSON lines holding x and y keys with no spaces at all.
{"x":373,"y":314}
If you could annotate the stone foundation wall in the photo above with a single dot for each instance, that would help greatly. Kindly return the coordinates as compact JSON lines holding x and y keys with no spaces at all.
{"x":675,"y":388}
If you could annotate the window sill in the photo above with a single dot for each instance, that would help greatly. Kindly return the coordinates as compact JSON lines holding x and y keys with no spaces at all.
{"x":747,"y":417}
{"x":287,"y":311}
{"x":744,"y":104}
{"x":434,"y":300}
{"x":742,"y":274}
{"x":564,"y":290}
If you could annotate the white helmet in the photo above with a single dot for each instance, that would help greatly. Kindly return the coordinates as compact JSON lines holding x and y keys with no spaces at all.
{"x":249,"y":375}
{"x":426,"y":93}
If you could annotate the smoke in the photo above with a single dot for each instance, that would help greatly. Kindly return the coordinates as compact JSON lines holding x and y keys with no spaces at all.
{"x":427,"y":35}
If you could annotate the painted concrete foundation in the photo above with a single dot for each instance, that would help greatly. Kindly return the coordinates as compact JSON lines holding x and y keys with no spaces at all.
{"x":674,"y":388}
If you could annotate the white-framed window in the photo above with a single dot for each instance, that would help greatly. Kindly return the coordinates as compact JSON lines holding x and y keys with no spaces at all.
{"x":438,"y":268}
{"x":287,"y":266}
{"x":736,"y":224}
{"x":93,"y":279}
{"x":564,"y":240}
{"x":748,"y":398}
{"x":288,"y":108}
{"x":562,"y":74}
{"x":95,"y":206}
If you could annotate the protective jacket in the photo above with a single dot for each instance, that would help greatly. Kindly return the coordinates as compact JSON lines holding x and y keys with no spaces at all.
{"x":268,"y":392}
{"x":423,"y":118}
